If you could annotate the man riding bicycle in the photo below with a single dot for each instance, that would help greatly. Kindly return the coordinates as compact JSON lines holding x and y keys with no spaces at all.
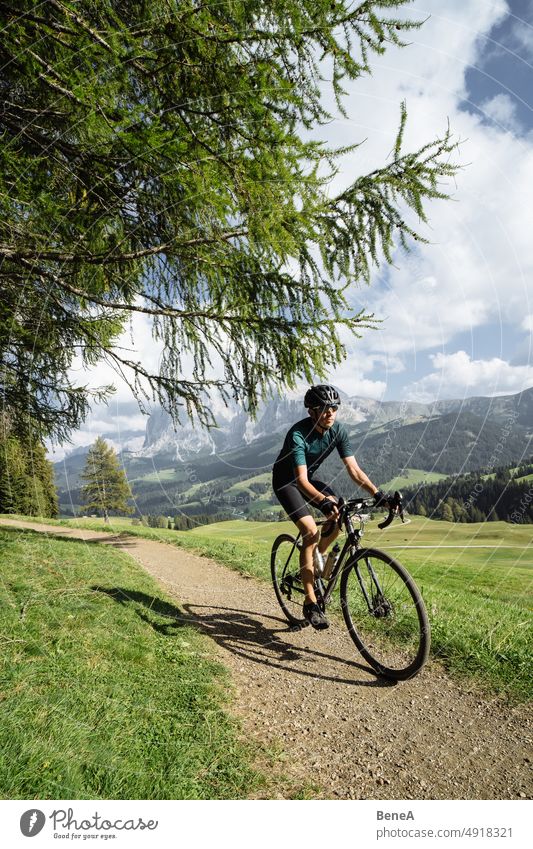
{"x":306,"y":446}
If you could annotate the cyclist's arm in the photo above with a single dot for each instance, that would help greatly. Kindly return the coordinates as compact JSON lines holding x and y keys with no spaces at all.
{"x":303,"y":484}
{"x":358,"y":476}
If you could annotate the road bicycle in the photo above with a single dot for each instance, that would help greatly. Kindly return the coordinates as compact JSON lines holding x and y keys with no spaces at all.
{"x":381,"y":604}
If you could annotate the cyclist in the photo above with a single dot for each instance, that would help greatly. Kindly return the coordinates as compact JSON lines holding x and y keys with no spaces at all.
{"x":306,"y":446}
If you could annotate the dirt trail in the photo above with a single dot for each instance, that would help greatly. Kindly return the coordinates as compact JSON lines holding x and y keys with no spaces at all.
{"x":310,"y":693}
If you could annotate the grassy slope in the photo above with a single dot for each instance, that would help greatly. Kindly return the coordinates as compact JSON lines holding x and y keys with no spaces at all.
{"x":160,"y":476}
{"x":245,"y":484}
{"x":106,"y":690}
{"x":411,"y":478}
{"x":479,"y":599}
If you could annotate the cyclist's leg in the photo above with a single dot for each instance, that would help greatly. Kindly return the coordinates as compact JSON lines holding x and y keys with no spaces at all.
{"x":297,"y":508}
{"x":330,"y":530}
{"x":310,"y":536}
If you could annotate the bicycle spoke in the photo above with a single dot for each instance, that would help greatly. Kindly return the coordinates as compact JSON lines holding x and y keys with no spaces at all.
{"x":285,"y":568}
{"x":385,"y":614}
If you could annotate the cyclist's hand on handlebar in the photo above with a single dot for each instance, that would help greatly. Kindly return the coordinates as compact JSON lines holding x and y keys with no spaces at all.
{"x":329,"y":508}
{"x":381,"y":499}
{"x":394,"y":503}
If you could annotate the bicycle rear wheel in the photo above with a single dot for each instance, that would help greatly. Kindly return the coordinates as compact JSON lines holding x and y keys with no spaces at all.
{"x":285,"y":568}
{"x":385,"y":614}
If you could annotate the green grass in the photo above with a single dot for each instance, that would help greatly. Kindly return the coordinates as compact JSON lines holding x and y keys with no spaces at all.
{"x":411,"y":477}
{"x":163,"y":475}
{"x":516,"y":478}
{"x":479,"y":599}
{"x":192,"y":490}
{"x":107,"y":691}
{"x":263,"y":502}
{"x":240,"y":486}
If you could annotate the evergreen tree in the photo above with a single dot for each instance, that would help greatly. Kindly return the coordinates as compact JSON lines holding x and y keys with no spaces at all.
{"x":445,"y":512}
{"x":42,"y":475}
{"x":14,"y":483}
{"x":155,"y":158}
{"x":107,"y":487}
{"x":26,"y":477}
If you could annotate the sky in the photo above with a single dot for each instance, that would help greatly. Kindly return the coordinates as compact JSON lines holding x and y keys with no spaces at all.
{"x":456,"y":314}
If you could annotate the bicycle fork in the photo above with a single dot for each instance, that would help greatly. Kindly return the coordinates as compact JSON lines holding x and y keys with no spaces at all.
{"x":375,"y":603}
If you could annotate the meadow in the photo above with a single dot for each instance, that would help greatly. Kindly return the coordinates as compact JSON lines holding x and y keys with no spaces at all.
{"x":107,"y":691}
{"x":476,"y":579}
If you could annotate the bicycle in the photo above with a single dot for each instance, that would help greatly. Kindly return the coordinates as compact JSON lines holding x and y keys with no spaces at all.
{"x":381,"y":604}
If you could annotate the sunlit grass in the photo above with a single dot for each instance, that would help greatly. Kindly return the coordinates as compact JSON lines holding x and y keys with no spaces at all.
{"x":107,"y":689}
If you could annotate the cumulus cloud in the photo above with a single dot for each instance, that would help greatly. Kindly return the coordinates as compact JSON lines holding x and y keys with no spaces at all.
{"x":120,"y":419}
{"x":357,"y":386}
{"x":476,"y":271}
{"x":136,"y":344}
{"x":457,"y":375}
{"x":502,"y":110}
{"x":522,"y":35}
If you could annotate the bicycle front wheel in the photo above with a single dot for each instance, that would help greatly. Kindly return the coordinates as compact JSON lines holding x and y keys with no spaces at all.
{"x":385,"y":614}
{"x":285,"y":568}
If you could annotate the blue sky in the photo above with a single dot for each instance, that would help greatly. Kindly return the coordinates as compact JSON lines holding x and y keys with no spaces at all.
{"x":504,"y":65}
{"x":457,"y":315}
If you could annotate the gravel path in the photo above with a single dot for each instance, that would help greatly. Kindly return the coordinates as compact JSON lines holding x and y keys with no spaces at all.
{"x":311,"y":695}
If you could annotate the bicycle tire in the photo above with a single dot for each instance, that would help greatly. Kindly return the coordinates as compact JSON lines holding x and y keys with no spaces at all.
{"x":394,"y":635}
{"x":286,"y":577}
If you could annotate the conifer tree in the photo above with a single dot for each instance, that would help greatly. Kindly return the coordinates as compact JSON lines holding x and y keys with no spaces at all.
{"x":445,"y":512}
{"x":26,"y":477}
{"x":106,"y":487}
{"x":156,"y":159}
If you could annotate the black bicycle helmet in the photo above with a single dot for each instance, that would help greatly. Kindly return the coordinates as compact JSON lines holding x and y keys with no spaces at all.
{"x":322,"y":395}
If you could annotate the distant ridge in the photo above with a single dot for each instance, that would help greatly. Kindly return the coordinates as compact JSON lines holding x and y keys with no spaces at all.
{"x":189,"y":469}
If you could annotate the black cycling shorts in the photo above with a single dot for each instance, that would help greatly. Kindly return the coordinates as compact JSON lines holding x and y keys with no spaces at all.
{"x":293,"y":500}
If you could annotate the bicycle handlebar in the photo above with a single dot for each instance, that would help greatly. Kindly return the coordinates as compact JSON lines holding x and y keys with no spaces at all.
{"x":395,"y":506}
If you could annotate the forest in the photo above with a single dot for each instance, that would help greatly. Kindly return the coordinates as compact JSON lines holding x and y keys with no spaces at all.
{"x":505,"y":493}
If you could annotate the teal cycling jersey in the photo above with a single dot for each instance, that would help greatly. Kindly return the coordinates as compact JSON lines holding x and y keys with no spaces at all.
{"x":304,"y":446}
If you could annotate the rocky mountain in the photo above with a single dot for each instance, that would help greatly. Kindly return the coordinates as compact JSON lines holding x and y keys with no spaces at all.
{"x":236,"y":429}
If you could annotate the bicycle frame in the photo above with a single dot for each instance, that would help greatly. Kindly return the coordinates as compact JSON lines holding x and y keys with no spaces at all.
{"x":352,"y":545}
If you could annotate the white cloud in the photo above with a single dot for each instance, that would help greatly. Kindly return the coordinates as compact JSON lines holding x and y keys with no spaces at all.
{"x":527,"y":323}
{"x":502,"y":110}
{"x":457,"y":375}
{"x":361,"y":387}
{"x":522,"y":36}
{"x":136,"y":344}
{"x":122,"y":423}
{"x":477,"y":270}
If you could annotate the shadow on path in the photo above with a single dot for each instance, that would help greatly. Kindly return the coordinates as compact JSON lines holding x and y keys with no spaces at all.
{"x":244,"y":634}
{"x":120,"y":540}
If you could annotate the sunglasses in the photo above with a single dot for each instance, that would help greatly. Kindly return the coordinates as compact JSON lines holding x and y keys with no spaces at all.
{"x":322,"y":410}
